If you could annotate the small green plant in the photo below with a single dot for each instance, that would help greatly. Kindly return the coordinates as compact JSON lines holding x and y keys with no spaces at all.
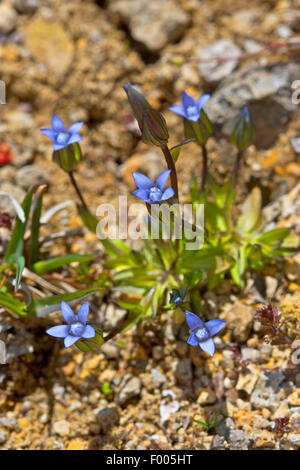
{"x":163,"y":273}
{"x":209,"y":425}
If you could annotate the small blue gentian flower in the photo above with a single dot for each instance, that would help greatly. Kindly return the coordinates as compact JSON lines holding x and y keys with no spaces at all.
{"x":190,"y":110}
{"x":76,"y":328}
{"x":150,"y":192}
{"x":202,"y":332}
{"x":59,"y":136}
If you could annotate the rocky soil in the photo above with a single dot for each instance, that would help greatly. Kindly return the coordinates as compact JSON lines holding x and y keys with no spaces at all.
{"x":144,"y":391}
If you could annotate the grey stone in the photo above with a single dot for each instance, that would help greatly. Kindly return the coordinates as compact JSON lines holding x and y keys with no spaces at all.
{"x":213,"y":71}
{"x":3,"y":436}
{"x":218,"y":443}
{"x":158,"y":352}
{"x":108,"y":417}
{"x":238,"y":440}
{"x":184,"y":372}
{"x":130,"y":387}
{"x":152,"y":24}
{"x":31,"y":175}
{"x":26,"y":6}
{"x":239,"y":321}
{"x":158,"y":378}
{"x":8,"y":18}
{"x":267,"y":93}
{"x":111,"y":350}
{"x":266,"y":392}
{"x":295,"y":143}
{"x":62,"y":427}
{"x":9,"y":423}
{"x":113,"y":317}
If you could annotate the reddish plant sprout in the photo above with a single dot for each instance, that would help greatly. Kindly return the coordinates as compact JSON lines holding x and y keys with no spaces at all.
{"x":5,"y":220}
{"x":6,"y":155}
{"x":281,"y":425}
{"x":269,"y":317}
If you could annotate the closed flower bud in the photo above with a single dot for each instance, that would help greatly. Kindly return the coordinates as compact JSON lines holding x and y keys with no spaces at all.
{"x":151,"y":122}
{"x":243,"y":134}
{"x":68,"y":158}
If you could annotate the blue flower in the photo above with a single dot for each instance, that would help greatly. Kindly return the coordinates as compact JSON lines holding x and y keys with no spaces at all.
{"x":59,"y":136}
{"x":190,"y":110}
{"x":202,"y":332}
{"x":150,"y":192}
{"x":75,"y":328}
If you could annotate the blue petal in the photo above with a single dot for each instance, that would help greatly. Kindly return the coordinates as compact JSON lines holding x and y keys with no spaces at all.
{"x":67,"y":313}
{"x":88,"y":332}
{"x":49,"y":133}
{"x":194,"y":118}
{"x":59,"y":331}
{"x":202,"y":101}
{"x":193,"y":321}
{"x":192,"y":341}
{"x":57,"y":124}
{"x":83,"y":313}
{"x":169,"y":192}
{"x":187,"y":100}
{"x":74,"y":138}
{"x":142,"y":194}
{"x":208,"y":346}
{"x":162,"y":179}
{"x":142,"y":181}
{"x":178,"y":110}
{"x":59,"y":147}
{"x":214,"y":326}
{"x":69,"y":340}
{"x":75,"y":128}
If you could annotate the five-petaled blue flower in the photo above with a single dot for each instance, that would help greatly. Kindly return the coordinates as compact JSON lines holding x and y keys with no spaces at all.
{"x":75,"y":328}
{"x":59,"y":136}
{"x":150,"y":192}
{"x":190,"y":109}
{"x":202,"y":332}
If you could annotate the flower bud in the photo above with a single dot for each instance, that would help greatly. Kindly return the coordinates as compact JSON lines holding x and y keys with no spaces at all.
{"x":243,"y":134}
{"x":69,"y":157}
{"x":200,"y":130}
{"x":177,"y":296}
{"x":151,"y":122}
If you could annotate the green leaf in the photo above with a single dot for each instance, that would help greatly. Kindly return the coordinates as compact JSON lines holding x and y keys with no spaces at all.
{"x":20,"y":267}
{"x":274,"y":236}
{"x":35,"y":225}
{"x":45,"y":266}
{"x":92,"y":344}
{"x":45,"y":305}
{"x":129,"y":290}
{"x":14,"y":306}
{"x":89,"y":220}
{"x":175,"y":151}
{"x":105,"y":388}
{"x":15,"y":247}
{"x":250,"y":218}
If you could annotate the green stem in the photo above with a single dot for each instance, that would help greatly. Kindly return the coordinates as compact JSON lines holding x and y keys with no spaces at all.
{"x":78,"y":192}
{"x":172,"y":167}
{"x":204,"y":168}
{"x":237,"y":164}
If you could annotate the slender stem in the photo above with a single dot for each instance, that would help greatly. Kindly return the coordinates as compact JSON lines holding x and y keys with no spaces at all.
{"x":237,"y":164}
{"x":204,"y":168}
{"x":73,"y":181}
{"x":172,"y":167}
